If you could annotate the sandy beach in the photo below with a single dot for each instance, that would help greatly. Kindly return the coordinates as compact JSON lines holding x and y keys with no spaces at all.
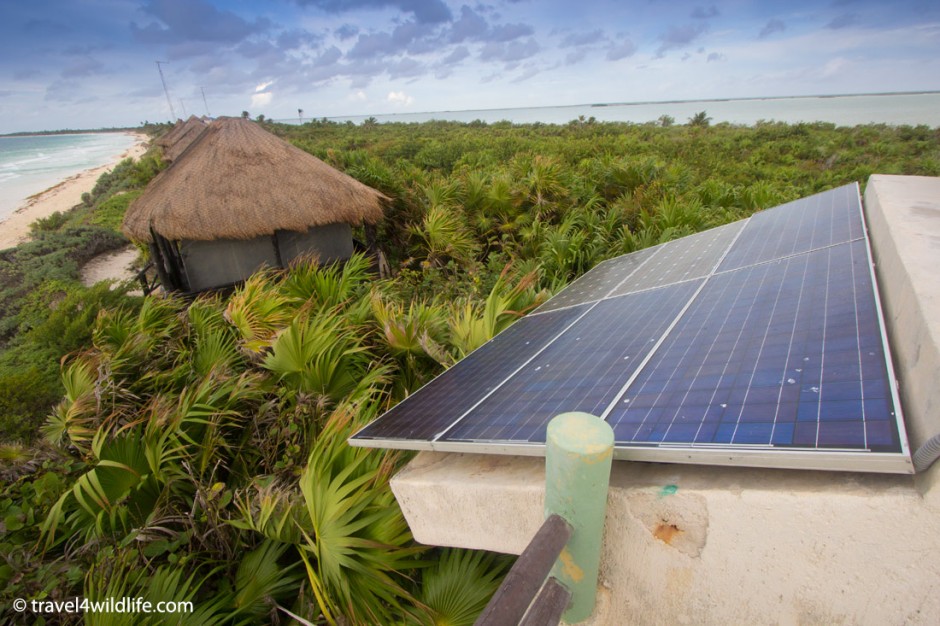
{"x":61,"y":197}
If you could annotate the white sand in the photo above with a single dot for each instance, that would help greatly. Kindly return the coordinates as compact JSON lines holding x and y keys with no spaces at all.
{"x":61,"y":197}
{"x":111,"y":265}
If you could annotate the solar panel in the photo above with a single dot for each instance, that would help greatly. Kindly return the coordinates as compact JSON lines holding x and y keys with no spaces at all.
{"x":762,"y":354}
{"x":599,"y":282}
{"x":688,"y":258}
{"x":758,"y":343}
{"x":581,"y":371}
{"x":434,"y":408}
{"x":821,"y":220}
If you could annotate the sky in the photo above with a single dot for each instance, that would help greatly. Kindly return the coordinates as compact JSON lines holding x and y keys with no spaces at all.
{"x":92,"y":63}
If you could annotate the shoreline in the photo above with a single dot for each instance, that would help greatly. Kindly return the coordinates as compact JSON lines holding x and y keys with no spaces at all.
{"x":62,"y":196}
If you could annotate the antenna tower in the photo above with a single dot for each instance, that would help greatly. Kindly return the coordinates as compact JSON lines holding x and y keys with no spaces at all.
{"x":165,"y":90}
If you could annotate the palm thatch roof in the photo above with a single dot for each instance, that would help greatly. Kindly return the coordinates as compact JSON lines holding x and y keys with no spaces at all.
{"x":238,"y":181}
{"x":183,"y":136}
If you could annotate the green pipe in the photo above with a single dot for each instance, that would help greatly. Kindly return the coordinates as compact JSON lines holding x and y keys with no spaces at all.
{"x":577,"y":473}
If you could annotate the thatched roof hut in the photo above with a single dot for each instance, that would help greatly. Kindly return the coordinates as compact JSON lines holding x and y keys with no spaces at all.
{"x":182,"y":137}
{"x":235,"y":183}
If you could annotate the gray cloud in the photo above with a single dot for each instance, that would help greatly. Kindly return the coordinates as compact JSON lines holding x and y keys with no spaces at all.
{"x":457,"y":55}
{"x":470,"y":25}
{"x":509,"y":52}
{"x":582,"y":39}
{"x":408,"y":36}
{"x":346,"y":31}
{"x":83,"y":66}
{"x":576,"y":56}
{"x":715,"y":56}
{"x":679,"y":37}
{"x":704,"y":13}
{"x":45,"y":28}
{"x":621,"y":50}
{"x":296,"y":38}
{"x":424,"y":11}
{"x":773,"y":26}
{"x":193,"y":20}
{"x":509,"y":32}
{"x":26,"y":74}
{"x":842,"y":21}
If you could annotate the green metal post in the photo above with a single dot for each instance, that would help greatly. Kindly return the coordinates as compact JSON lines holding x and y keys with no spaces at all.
{"x":577,"y":473}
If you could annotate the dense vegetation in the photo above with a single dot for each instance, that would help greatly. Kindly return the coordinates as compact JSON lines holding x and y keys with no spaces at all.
{"x":199,"y":449}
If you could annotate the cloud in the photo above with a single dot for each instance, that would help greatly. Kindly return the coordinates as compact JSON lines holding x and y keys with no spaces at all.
{"x":82,"y":67}
{"x":45,"y":28}
{"x":399,"y":98}
{"x":842,"y":21}
{"x":424,"y":11}
{"x":773,"y":26}
{"x":346,"y":31}
{"x":509,"y":52}
{"x":457,"y":55}
{"x":470,"y":25}
{"x":358,"y":96}
{"x":26,"y":74}
{"x":193,"y":20}
{"x":704,"y":13}
{"x":584,"y":38}
{"x":621,"y":50}
{"x":263,"y":86}
{"x":509,"y":32}
{"x":679,"y":37}
{"x":259,"y":100}
{"x":576,"y":56}
{"x":296,"y":38}
{"x":715,"y":56}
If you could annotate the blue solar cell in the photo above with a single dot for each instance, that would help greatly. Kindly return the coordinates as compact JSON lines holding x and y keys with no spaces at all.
{"x":825,"y":219}
{"x":581,"y":371}
{"x":438,"y":404}
{"x":683,"y":259}
{"x":773,"y":353}
{"x":598,"y":282}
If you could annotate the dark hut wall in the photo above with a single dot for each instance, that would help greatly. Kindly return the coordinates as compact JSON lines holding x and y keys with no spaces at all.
{"x":223,"y":262}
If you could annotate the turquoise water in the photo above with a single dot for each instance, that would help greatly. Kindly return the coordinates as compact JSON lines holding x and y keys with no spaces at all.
{"x":896,"y":109}
{"x":33,"y":163}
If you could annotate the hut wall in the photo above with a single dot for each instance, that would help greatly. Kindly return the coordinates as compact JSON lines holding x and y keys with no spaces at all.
{"x":332,"y":242}
{"x":226,"y":261}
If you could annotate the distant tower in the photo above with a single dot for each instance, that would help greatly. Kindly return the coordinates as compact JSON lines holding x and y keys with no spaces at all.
{"x":165,"y":90}
{"x":300,"y":115}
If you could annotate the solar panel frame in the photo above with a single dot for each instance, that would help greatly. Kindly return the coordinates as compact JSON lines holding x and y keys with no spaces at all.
{"x":726,"y":454}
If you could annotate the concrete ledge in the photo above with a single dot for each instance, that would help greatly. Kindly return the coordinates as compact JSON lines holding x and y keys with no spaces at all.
{"x":903,"y":214}
{"x":709,"y":545}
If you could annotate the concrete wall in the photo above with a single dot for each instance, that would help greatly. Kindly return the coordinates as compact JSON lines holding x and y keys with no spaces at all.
{"x":686,"y":544}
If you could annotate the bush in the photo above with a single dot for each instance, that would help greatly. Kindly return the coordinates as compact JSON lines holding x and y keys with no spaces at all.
{"x":25,"y":399}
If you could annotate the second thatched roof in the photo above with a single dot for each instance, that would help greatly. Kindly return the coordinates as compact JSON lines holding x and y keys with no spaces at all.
{"x":182,"y":137}
{"x":238,"y":181}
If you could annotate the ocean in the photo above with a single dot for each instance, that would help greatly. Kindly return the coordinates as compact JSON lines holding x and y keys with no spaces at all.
{"x":33,"y":163}
{"x":897,"y":109}
{"x":30,"y":164}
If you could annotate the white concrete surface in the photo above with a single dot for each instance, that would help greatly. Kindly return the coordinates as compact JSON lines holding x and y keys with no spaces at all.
{"x":687,"y":544}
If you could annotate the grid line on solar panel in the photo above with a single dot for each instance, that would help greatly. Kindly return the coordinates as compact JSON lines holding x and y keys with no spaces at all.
{"x":580,"y":371}
{"x":599,"y":281}
{"x":786,"y":353}
{"x":436,"y":405}
{"x":812,"y":223}
{"x":688,"y":258}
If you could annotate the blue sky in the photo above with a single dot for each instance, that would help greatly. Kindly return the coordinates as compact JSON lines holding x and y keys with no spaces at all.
{"x":90,"y":63}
